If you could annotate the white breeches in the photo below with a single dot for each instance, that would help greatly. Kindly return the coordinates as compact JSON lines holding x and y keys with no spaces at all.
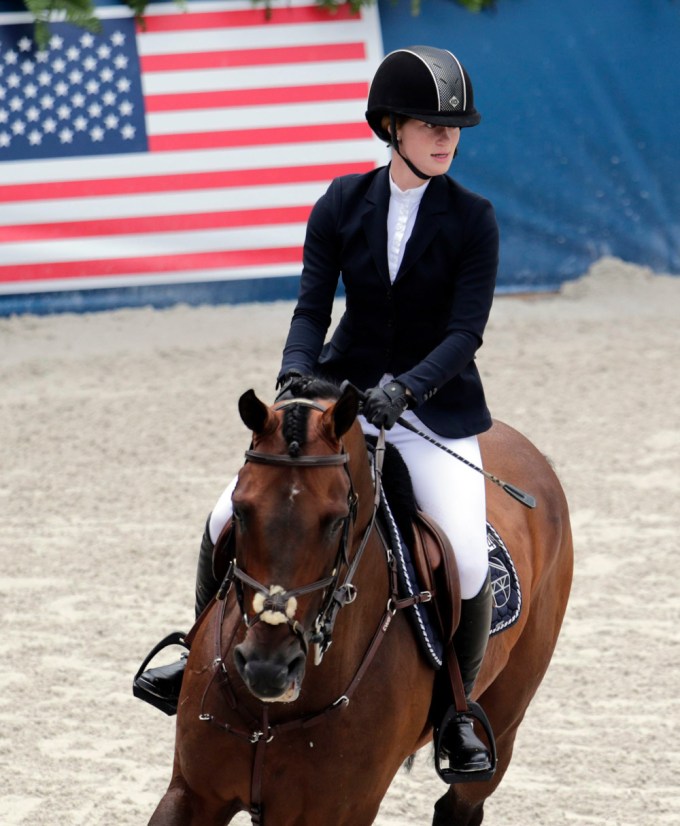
{"x":446,"y":489}
{"x":222,"y":511}
{"x":450,"y":492}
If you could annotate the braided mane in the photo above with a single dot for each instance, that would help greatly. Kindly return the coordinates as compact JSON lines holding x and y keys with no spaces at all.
{"x":296,"y":417}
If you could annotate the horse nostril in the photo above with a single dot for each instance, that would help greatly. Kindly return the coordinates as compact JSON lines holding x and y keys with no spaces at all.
{"x":239,"y":660}
{"x":296,"y":665}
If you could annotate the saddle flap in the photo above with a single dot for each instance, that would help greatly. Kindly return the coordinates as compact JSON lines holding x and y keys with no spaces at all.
{"x":436,"y":568}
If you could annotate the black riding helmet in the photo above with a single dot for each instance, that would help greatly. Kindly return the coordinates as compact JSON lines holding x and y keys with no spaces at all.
{"x":424,"y":83}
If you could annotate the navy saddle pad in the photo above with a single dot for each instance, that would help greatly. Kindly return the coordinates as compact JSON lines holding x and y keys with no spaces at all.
{"x":507,"y":595}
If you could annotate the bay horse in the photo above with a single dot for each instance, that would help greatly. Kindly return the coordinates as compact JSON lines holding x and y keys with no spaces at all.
{"x":274,"y":722}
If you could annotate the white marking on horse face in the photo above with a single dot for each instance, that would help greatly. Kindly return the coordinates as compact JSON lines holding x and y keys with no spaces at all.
{"x":294,"y":491}
{"x":274,"y":617}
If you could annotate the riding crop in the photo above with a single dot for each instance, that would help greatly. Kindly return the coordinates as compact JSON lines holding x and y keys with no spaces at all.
{"x":521,"y":496}
{"x":517,"y":493}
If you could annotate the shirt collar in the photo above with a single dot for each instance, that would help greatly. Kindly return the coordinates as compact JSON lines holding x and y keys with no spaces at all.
{"x":413,"y":196}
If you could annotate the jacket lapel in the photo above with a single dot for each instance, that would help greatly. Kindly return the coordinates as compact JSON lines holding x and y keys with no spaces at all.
{"x":374,"y":221}
{"x":428,"y":223}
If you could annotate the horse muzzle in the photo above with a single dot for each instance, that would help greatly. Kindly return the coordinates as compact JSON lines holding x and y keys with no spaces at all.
{"x":272,"y":671}
{"x":271,"y":659}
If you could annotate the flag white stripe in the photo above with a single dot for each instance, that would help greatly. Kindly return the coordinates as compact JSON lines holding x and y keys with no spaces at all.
{"x":143,"y":278}
{"x":132,"y":246}
{"x":176,"y":163}
{"x":252,"y":37}
{"x":170,"y":203}
{"x":256,"y":77}
{"x":249,"y":117}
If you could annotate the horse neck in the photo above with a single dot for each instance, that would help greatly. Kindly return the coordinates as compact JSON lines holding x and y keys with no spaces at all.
{"x":361,"y":474}
{"x":370,"y":577}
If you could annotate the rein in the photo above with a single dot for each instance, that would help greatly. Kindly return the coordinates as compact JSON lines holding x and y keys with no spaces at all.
{"x":338,"y":595}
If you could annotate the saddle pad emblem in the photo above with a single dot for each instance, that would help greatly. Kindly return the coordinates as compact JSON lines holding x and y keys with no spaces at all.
{"x":500,"y":583}
{"x":505,"y":587}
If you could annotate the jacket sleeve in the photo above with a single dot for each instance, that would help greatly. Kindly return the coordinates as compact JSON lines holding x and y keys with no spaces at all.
{"x":318,"y":283}
{"x":475,"y":281}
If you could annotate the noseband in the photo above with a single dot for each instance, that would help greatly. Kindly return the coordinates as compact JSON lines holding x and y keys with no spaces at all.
{"x":276,"y":605}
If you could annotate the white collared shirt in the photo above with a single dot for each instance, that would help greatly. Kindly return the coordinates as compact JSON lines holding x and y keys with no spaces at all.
{"x":401,"y":218}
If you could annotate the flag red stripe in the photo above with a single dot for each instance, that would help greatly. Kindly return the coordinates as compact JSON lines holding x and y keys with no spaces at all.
{"x":246,"y":17}
{"x":145,"y":184}
{"x":259,"y":137}
{"x":154,"y":223}
{"x":151,"y":264}
{"x":256,"y":97}
{"x":281,"y":55}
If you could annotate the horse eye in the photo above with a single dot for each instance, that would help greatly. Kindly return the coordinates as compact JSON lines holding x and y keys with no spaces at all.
{"x":338,"y":524}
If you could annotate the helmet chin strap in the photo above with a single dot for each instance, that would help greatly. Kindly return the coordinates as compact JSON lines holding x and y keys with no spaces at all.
{"x":395,"y":146}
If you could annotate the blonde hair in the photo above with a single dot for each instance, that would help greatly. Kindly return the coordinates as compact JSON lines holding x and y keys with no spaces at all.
{"x":386,"y":121}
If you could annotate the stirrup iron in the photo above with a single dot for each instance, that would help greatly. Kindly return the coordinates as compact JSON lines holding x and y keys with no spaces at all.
{"x":451,"y":776}
{"x":142,"y":691}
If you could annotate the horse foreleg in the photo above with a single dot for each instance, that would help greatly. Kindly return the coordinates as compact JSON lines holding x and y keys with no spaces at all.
{"x":180,"y":807}
{"x":174,"y":808}
{"x":453,"y":809}
{"x":463,"y":804}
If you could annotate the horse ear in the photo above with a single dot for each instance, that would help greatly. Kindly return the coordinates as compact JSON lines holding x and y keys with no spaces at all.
{"x":254,"y":413}
{"x":344,"y":411}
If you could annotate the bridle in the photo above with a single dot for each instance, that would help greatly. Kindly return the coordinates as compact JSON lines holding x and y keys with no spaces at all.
{"x":259,"y":731}
{"x":336,"y":595}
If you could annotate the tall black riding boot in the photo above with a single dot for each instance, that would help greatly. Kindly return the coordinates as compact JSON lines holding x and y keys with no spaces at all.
{"x":455,"y":738}
{"x":161,"y":686}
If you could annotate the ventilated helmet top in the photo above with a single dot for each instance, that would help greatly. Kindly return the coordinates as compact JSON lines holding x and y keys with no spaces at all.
{"x":421,"y":82}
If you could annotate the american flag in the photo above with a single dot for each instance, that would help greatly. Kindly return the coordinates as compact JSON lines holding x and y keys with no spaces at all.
{"x":189,"y":150}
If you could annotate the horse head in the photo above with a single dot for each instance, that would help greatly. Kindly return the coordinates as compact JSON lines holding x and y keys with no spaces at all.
{"x":294,"y":508}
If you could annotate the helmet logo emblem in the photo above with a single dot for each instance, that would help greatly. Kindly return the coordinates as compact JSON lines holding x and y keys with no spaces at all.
{"x":454,"y":102}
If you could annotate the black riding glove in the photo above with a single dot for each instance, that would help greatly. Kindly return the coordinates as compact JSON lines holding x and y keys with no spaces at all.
{"x":383,"y":405}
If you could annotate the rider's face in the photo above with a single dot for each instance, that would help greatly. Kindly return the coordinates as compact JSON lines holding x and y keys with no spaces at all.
{"x":430,"y":148}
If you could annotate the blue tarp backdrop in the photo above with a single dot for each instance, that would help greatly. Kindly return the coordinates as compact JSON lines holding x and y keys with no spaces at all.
{"x":579,"y":144}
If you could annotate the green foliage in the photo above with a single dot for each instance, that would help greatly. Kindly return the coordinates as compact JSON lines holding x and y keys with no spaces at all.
{"x":332,"y":5}
{"x":82,"y":12}
{"x":477,"y":5}
{"x":138,"y":6}
{"x":79,"y":12}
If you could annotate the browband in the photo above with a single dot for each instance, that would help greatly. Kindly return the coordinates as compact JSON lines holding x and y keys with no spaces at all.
{"x":297,"y":461}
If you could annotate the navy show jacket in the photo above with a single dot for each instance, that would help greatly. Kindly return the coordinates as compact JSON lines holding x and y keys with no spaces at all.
{"x":426,"y":327}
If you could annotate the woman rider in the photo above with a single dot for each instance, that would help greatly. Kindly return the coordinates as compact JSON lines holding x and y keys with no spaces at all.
{"x":418,"y":255}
